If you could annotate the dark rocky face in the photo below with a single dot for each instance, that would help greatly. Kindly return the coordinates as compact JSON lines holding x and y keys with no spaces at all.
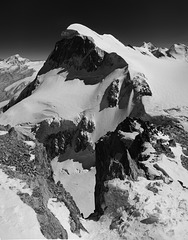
{"x":80,"y":56}
{"x":117,"y":156}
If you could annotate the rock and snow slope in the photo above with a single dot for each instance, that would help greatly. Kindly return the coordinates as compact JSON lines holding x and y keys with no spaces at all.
{"x":17,"y":219}
{"x":89,"y":85}
{"x":142,"y":181}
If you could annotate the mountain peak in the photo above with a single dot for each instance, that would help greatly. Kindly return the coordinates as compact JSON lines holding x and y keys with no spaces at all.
{"x":80,"y":28}
{"x":179,"y":51}
{"x":16,"y":59}
{"x":150,"y":46}
{"x":179,"y":48}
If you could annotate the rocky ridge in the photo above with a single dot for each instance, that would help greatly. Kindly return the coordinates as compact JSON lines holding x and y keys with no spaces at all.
{"x":37,"y":174}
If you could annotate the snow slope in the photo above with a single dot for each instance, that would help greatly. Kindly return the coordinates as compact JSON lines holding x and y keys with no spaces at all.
{"x":17,"y":220}
{"x":78,"y":181}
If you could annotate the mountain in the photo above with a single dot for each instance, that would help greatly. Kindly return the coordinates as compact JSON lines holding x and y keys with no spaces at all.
{"x":177,"y":51}
{"x":95,"y":145}
{"x":15,"y":73}
{"x":15,"y":60}
{"x":150,"y":46}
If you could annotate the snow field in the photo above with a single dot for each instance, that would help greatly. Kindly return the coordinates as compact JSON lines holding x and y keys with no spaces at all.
{"x":78,"y":181}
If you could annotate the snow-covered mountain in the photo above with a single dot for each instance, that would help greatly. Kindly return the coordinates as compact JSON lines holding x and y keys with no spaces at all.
{"x":105,"y":134}
{"x":107,"y":60}
{"x":14,"y":60}
{"x":179,"y":51}
{"x":176,"y":51}
{"x":15,"y":73}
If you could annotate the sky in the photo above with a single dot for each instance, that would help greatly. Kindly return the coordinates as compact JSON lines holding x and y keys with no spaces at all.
{"x":31,"y":28}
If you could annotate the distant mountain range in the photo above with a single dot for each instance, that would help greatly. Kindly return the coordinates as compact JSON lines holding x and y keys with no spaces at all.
{"x":177,"y":51}
{"x":15,"y":73}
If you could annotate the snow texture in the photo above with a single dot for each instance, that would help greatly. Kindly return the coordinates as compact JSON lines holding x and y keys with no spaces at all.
{"x":17,"y":220}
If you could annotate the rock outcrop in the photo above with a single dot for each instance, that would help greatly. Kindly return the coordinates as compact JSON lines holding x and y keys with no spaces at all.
{"x":117,"y":156}
{"x":113,"y":93}
{"x":61,"y":136}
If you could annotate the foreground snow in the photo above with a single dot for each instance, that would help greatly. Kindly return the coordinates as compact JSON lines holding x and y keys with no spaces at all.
{"x":62,"y":213}
{"x":157,"y":211}
{"x":162,"y":209}
{"x":17,"y":220}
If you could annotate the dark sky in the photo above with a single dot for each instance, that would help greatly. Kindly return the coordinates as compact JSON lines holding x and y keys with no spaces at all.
{"x":31,"y":28}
